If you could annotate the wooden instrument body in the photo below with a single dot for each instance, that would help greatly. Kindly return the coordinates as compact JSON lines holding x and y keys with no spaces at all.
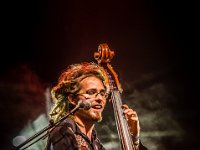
{"x":104,"y":57}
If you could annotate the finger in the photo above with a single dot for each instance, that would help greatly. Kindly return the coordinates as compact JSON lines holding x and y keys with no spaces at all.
{"x":129,"y":111}
{"x":131,"y":115}
{"x":124,"y":106}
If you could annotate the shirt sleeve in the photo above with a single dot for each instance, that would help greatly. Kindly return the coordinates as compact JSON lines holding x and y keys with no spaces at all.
{"x":141,"y":146}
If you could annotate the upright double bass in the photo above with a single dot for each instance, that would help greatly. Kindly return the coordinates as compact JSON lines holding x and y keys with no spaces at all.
{"x":104,"y":57}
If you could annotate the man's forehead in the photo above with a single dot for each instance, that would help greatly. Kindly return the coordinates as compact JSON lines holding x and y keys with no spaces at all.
{"x":92,"y":79}
{"x":92,"y":82}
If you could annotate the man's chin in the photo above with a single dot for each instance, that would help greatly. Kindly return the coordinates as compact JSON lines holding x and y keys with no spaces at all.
{"x":100,"y":119}
{"x":96,"y":117}
{"x":93,"y":116}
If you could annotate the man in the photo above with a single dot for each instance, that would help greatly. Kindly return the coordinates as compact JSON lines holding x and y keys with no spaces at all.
{"x":83,"y":81}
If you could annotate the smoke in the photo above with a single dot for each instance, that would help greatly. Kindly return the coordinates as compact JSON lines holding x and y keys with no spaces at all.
{"x":156,"y":117}
{"x":22,"y":100}
{"x":153,"y":97}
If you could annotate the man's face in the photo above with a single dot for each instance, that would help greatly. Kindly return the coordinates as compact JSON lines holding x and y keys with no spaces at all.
{"x":92,"y":87}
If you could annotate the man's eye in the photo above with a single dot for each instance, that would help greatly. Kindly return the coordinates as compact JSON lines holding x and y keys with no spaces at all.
{"x":91,"y":92}
{"x":103,"y":93}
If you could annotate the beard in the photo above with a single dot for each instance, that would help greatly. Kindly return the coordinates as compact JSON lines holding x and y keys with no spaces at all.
{"x":90,"y":115}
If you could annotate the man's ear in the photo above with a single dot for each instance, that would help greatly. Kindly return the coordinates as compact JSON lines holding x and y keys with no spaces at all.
{"x":72,"y":99}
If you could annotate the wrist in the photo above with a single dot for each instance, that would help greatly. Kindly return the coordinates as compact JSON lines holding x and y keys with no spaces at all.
{"x":137,"y":142}
{"x":136,"y":139}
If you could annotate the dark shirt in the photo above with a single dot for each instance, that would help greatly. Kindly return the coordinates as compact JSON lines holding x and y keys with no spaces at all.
{"x":67,"y":136}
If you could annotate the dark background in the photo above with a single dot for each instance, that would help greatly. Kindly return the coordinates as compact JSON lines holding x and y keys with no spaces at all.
{"x":41,"y":38}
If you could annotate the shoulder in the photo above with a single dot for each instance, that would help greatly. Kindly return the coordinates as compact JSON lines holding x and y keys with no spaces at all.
{"x":62,"y":135}
{"x":66,"y":128}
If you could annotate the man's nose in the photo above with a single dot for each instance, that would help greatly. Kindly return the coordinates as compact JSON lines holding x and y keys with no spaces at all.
{"x":99,"y":97}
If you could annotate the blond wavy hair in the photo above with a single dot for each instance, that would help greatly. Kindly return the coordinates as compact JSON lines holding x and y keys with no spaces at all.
{"x":69,"y":83}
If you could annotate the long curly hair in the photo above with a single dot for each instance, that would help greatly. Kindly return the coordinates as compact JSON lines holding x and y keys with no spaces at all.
{"x":69,"y":83}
